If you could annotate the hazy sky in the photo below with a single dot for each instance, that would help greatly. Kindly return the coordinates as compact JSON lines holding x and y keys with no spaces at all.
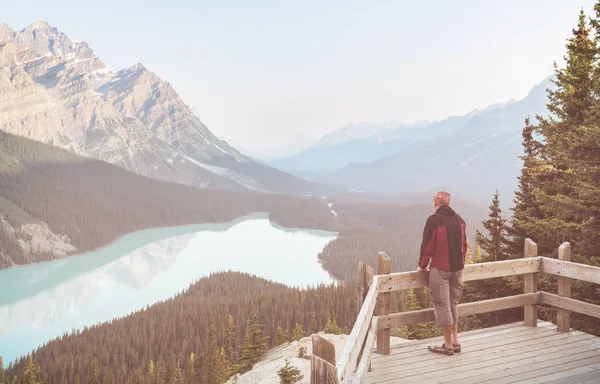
{"x":259,"y":73}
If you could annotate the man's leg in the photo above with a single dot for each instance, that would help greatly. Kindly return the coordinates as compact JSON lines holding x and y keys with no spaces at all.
{"x":456,"y":288}
{"x":439,"y":286}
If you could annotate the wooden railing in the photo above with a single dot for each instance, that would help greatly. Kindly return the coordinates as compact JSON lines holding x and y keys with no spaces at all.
{"x":374,"y":322}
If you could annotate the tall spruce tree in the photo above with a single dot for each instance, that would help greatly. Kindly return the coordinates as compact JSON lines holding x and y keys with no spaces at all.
{"x":496,"y":244}
{"x":525,"y":206}
{"x":230,"y":340}
{"x":31,"y":373}
{"x":554,"y":181}
{"x":255,"y":345}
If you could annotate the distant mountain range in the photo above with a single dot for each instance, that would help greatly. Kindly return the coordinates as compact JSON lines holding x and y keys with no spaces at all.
{"x":56,"y":90}
{"x":474,"y":154}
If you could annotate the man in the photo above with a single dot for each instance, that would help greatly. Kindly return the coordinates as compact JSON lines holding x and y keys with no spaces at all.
{"x":445,"y":246}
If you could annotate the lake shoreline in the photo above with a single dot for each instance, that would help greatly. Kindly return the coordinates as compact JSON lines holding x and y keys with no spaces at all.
{"x":250,"y":216}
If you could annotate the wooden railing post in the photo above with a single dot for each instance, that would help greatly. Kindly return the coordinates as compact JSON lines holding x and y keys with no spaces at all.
{"x":384,"y":267}
{"x":530,"y":311}
{"x":563,"y":316}
{"x":365,"y":279}
{"x":322,"y":362}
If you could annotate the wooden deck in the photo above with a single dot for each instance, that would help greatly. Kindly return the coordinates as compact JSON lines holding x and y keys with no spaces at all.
{"x":510,"y":353}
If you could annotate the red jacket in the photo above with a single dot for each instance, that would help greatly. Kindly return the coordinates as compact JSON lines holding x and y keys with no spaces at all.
{"x":444,"y":241}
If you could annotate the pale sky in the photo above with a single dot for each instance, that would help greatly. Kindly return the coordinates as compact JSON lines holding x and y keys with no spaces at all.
{"x":260,"y":73}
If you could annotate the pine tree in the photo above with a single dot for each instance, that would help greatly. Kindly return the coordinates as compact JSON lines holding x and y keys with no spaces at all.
{"x":190,"y":372}
{"x":298,"y":332}
{"x":331,"y":326}
{"x":496,"y":245}
{"x":555,"y":182}
{"x":94,"y":373}
{"x":255,"y":345}
{"x":478,"y":257}
{"x":313,"y":325}
{"x":216,"y":361}
{"x":177,"y":376}
{"x":526,"y":206}
{"x":282,"y":336}
{"x":236,"y":379}
{"x":2,"y":376}
{"x":289,"y":374}
{"x":229,"y":343}
{"x":31,"y":373}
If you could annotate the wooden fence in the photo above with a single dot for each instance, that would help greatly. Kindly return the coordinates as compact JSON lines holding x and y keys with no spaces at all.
{"x":374,"y":321}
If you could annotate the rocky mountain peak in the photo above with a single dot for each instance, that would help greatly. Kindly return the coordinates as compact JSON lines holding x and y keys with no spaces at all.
{"x":6,"y":34}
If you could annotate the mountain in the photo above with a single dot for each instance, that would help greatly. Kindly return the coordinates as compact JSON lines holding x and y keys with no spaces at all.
{"x":474,"y":154}
{"x":56,"y":90}
{"x":55,"y":203}
{"x":353,"y":143}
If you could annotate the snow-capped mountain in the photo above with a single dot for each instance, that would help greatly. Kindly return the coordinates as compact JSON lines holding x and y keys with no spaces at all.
{"x":354,"y":143}
{"x":56,"y":90}
{"x":474,"y":154}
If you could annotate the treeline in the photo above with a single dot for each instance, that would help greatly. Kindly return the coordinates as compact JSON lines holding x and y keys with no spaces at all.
{"x":227,"y":321}
{"x":93,"y":203}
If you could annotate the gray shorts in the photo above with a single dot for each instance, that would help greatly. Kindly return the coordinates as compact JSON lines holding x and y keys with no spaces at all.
{"x":446,"y":289}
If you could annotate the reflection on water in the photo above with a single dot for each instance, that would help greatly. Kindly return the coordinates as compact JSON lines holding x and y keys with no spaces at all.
{"x":42,"y":301}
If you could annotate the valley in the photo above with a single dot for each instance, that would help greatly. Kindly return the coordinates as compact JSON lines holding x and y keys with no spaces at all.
{"x":138,"y":247}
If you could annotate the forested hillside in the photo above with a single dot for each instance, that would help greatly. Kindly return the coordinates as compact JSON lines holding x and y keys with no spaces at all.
{"x":87,"y":204}
{"x":168,"y":333}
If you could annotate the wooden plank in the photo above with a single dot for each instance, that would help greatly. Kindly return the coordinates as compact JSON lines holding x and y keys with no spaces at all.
{"x":384,"y":267}
{"x":321,"y":372}
{"x":418,"y":352}
{"x":563,"y":316}
{"x":323,"y":348}
{"x":570,"y":304}
{"x":480,"y":352}
{"x":365,"y":362}
{"x":464,"y":309}
{"x":571,"y":270}
{"x":575,"y":375}
{"x":347,"y":361}
{"x":479,"y":271}
{"x":518,"y":362}
{"x":486,"y":355}
{"x":530,"y":311}
{"x":531,"y":363}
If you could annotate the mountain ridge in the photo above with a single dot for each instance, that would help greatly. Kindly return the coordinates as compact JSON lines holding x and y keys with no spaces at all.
{"x":56,"y":90}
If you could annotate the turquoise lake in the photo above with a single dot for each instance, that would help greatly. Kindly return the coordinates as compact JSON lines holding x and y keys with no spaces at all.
{"x":42,"y":301}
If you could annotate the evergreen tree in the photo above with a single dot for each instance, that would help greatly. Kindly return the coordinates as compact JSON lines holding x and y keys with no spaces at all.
{"x":289,"y":374}
{"x":496,"y":245}
{"x":255,"y":345}
{"x":168,"y":373}
{"x":229,"y":341}
{"x":177,"y":376}
{"x":31,"y":374}
{"x":478,"y":257}
{"x":2,"y":377}
{"x":216,"y":362}
{"x":236,"y":378}
{"x":298,"y":332}
{"x":94,"y":373}
{"x":557,"y":182}
{"x":313,"y":325}
{"x":331,"y":326}
{"x":525,"y":206}
{"x":282,"y":336}
{"x":190,"y":372}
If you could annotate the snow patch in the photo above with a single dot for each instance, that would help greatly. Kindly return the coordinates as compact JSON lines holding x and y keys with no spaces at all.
{"x":332,"y":210}
{"x":234,"y":176}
